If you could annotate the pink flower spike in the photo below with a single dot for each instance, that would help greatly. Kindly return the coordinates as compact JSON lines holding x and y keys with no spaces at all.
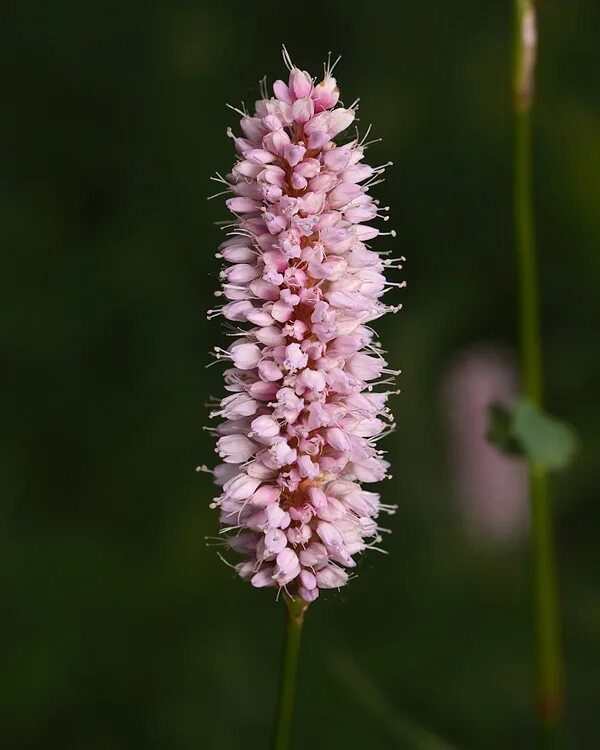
{"x":306,"y":383}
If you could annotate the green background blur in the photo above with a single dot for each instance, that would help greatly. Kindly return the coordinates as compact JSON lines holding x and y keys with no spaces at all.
{"x":120,"y":629}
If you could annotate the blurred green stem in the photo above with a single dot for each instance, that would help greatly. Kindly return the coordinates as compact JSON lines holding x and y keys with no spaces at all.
{"x":403,"y":729}
{"x":549,"y":657}
{"x":295,"y":618}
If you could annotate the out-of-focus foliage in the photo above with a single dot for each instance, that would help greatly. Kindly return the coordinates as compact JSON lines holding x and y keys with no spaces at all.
{"x":528,"y":431}
{"x":120,"y":627}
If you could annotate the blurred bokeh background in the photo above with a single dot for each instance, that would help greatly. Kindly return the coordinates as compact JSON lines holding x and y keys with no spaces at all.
{"x":120,"y":628}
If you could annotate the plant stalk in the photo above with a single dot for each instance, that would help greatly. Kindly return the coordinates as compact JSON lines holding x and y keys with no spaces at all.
{"x":547,"y":628}
{"x":295,"y":619}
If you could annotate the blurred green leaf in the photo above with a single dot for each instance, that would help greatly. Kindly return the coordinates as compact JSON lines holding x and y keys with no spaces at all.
{"x":409,"y":734}
{"x":500,"y":431}
{"x":546,"y":440}
{"x":529,"y":432}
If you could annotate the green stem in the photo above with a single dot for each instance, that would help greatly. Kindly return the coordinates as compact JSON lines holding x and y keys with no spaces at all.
{"x":547,"y":629}
{"x":295,"y":618}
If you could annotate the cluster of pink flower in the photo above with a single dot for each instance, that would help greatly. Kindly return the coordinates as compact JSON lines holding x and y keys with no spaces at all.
{"x":301,"y":422}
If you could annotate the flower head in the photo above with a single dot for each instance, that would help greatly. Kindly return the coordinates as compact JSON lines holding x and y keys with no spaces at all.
{"x":299,"y":430}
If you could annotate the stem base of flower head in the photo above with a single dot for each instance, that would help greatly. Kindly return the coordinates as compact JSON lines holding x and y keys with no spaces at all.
{"x":296,"y":607}
{"x":293,"y":633}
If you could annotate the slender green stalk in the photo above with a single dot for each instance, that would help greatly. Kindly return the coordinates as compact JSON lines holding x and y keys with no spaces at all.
{"x":295,"y":618}
{"x":402,"y":728}
{"x":547,"y":629}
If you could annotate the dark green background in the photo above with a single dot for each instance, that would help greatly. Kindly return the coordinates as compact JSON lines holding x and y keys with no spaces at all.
{"x":120,"y":629}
